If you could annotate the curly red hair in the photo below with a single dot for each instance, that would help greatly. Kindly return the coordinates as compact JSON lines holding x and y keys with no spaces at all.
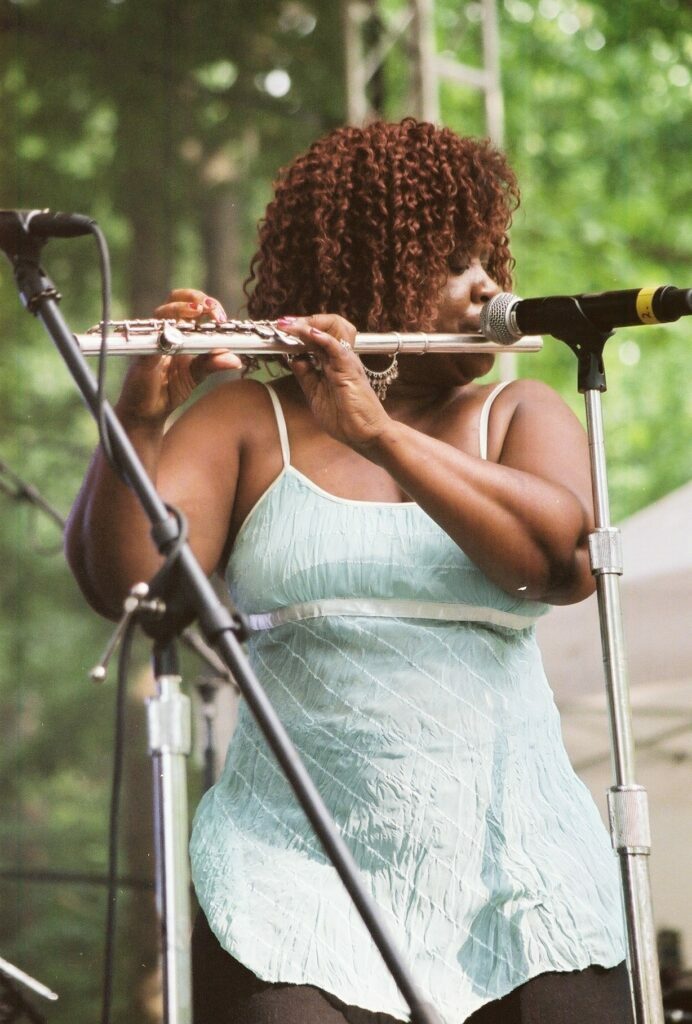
{"x":370,"y":222}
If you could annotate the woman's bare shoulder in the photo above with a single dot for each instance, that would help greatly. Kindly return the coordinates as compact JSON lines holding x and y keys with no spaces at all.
{"x":534,"y":399}
{"x":229,"y":398}
{"x":533,"y":395}
{"x":526,"y":404}
{"x":230,"y":414}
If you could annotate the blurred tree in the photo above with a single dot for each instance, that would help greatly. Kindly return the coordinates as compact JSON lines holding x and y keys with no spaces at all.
{"x":603,"y":156}
{"x":165,"y":123}
{"x":597,"y":127}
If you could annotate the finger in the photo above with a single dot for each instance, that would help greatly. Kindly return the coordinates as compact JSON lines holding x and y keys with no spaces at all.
{"x":207,"y":363}
{"x":222,"y":359}
{"x":307,"y":375}
{"x":180,"y":310}
{"x":332,"y":323}
{"x":191,"y":304}
{"x":329,"y":323}
{"x":186,"y":295}
{"x":214,"y":310}
{"x":338,"y":352}
{"x":181,"y":299}
{"x":336,"y":349}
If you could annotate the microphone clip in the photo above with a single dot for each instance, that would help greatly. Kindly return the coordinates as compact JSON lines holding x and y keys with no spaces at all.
{"x":587,"y":341}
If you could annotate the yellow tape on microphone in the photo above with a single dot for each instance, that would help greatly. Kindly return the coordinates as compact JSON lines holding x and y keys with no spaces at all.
{"x":645,"y":311}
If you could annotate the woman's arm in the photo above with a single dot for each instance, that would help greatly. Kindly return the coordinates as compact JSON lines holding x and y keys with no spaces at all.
{"x":524,"y":519}
{"x":107,"y":540}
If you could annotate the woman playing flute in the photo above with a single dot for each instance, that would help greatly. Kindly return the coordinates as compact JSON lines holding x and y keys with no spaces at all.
{"x":392,"y":531}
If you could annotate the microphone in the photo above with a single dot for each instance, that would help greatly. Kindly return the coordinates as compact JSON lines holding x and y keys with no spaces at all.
{"x":19,"y":227}
{"x":45,"y":224}
{"x":506,"y":317}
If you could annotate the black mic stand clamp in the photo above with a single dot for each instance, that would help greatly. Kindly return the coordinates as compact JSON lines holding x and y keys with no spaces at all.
{"x":628,"y":808}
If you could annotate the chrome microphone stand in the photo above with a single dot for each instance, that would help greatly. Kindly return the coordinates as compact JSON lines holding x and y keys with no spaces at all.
{"x":628,"y":808}
{"x":170,"y":742}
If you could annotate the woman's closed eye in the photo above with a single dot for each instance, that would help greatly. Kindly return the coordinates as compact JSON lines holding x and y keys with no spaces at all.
{"x":458,"y":263}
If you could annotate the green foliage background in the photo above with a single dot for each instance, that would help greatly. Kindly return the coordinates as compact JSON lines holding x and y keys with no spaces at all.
{"x":160,"y":120}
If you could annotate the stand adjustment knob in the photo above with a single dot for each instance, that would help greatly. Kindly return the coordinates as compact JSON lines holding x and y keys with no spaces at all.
{"x":133,"y":603}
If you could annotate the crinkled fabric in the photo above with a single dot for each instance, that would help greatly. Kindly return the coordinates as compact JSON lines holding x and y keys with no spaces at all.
{"x":437,"y":749}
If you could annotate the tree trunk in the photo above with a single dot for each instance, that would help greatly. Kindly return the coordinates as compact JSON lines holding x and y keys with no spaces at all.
{"x":220,"y":244}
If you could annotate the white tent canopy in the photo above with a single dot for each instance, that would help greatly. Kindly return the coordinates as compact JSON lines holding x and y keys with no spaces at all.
{"x":656,"y":590}
{"x":657,"y":607}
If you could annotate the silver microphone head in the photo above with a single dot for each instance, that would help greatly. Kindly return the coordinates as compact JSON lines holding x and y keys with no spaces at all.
{"x":497,"y":322}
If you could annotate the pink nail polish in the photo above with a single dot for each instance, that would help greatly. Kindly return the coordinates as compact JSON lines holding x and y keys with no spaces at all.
{"x":287,"y":319}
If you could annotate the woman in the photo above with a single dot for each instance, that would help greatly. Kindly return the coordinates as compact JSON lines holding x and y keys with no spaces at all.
{"x":393,"y":533}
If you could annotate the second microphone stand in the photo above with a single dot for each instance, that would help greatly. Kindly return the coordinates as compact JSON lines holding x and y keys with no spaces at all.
{"x":628,"y":809}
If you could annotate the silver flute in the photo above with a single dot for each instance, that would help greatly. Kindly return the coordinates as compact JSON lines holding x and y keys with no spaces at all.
{"x":265,"y":338}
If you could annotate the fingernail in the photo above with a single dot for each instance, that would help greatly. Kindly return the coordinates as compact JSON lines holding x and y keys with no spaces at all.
{"x":318,"y":333}
{"x":220,"y":313}
{"x":287,"y":319}
{"x":209,"y":303}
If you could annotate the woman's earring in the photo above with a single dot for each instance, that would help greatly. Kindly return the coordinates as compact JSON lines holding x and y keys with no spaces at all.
{"x":380,"y":380}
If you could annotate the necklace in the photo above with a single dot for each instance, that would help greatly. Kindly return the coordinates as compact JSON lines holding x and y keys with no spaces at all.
{"x":381,"y":379}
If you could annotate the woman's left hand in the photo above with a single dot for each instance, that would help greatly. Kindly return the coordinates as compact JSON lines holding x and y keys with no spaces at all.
{"x":334,"y":382}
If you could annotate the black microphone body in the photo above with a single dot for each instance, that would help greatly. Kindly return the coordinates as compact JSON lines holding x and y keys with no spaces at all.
{"x":506,"y":317}
{"x":17,"y":227}
{"x":46,"y":224}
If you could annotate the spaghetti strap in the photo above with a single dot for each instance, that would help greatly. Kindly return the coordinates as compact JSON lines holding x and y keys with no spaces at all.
{"x":485,"y":416}
{"x":482,"y":425}
{"x":281,"y":425}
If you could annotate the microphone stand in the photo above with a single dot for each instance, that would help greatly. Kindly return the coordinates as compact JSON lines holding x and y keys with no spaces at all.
{"x":191,"y":594}
{"x":628,"y":808}
{"x":12,"y":1003}
{"x":20,"y":490}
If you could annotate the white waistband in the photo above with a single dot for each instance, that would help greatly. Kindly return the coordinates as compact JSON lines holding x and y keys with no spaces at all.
{"x":383,"y":608}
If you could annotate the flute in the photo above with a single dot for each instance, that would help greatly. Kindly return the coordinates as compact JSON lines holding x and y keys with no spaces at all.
{"x":264,"y":338}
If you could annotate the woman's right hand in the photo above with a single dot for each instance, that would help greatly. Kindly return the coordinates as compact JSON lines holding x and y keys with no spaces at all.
{"x":155,"y":386}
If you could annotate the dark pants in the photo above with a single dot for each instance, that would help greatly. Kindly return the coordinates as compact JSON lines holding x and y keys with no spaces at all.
{"x":225,"y":992}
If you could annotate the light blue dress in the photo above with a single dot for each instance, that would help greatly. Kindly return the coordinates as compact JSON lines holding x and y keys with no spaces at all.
{"x":413,"y":689}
